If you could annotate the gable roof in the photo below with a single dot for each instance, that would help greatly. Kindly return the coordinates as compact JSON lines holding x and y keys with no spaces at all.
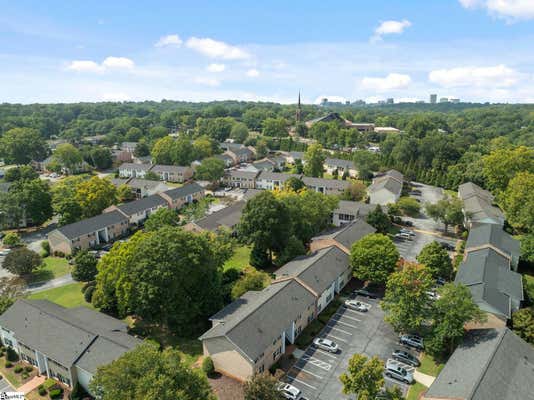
{"x":137,"y":167}
{"x":470,"y":189}
{"x":357,"y":208}
{"x":490,"y":234}
{"x":480,"y":209}
{"x":146,"y":203}
{"x":348,"y":234}
{"x":490,"y":364}
{"x":89,"y":225}
{"x":277,"y":176}
{"x":339,"y":163}
{"x":386,"y":182}
{"x":261,"y":317}
{"x":227,"y":217}
{"x":492,"y":284}
{"x":317,"y":270}
{"x":239,"y":173}
{"x":327,"y":183}
{"x":177,"y":169}
{"x":68,"y":335}
{"x":185,"y":190}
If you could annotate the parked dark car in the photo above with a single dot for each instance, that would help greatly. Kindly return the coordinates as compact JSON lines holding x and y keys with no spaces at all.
{"x":367,"y":291}
{"x":413,"y":341}
{"x":447,"y":246}
{"x":406,"y":358}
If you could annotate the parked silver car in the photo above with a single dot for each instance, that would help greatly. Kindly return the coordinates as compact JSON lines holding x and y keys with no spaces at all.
{"x":406,"y":358}
{"x":394,"y":370}
{"x":326,"y":345}
{"x":357,"y":305}
{"x":290,"y":392}
{"x":413,"y":341}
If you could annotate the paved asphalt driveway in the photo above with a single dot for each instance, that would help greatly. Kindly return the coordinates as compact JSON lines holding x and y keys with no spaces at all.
{"x":5,"y":386}
{"x":317,"y":372}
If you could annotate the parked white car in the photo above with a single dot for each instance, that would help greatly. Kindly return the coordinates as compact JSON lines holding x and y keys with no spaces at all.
{"x":326,"y":344}
{"x":395,"y":370}
{"x":290,"y":392}
{"x":357,"y":305}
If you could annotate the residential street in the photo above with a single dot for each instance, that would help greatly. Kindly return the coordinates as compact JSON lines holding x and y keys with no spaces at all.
{"x":53,"y":283}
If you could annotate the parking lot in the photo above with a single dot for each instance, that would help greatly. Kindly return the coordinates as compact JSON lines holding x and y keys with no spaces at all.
{"x":317,"y":372}
{"x":5,"y":386}
{"x":410,"y":248}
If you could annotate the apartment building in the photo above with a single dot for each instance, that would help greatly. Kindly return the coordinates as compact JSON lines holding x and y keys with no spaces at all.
{"x":273,"y":180}
{"x":240,"y":179}
{"x":478,"y":205}
{"x":173,"y":173}
{"x":386,"y":189}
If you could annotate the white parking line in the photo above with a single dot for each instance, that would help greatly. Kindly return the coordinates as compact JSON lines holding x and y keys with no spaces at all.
{"x":327,"y":353}
{"x":339,"y":330}
{"x":346,"y":316}
{"x":355,"y":312}
{"x":335,"y":337}
{"x":308,"y":372}
{"x":317,"y":362}
{"x":303,"y":383}
{"x":344,"y":323}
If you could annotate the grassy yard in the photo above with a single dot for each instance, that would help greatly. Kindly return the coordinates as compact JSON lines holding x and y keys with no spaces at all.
{"x":16,"y":379}
{"x":415,"y":391}
{"x":430,"y":366}
{"x":240,"y":259}
{"x":67,"y":296}
{"x":53,"y":267}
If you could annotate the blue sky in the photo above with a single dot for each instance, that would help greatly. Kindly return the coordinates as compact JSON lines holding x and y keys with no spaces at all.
{"x":66,"y":51}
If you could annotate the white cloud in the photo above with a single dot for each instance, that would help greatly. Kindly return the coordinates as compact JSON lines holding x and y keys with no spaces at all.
{"x":495,"y":76}
{"x":389,"y":28}
{"x":108,"y":63}
{"x":84,"y":66}
{"x":507,"y":9}
{"x":216,"y":68}
{"x":169,"y":41}
{"x":390,"y":82}
{"x":253,"y":73}
{"x":118,"y":63}
{"x":115,"y":97}
{"x":207,"y":81}
{"x":216,"y":49}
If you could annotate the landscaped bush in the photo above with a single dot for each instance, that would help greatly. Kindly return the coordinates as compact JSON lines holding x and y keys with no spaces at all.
{"x":207,"y":366}
{"x":88,"y":294}
{"x":18,"y":369}
{"x":41,"y":390}
{"x":12,"y":355}
{"x":49,"y":384}
{"x":28,"y":369}
{"x":46,"y":248}
{"x":55,"y":393}
{"x":9,"y":364}
{"x":25,"y":375}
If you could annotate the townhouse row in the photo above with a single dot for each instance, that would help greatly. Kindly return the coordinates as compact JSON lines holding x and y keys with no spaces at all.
{"x":116,"y":221}
{"x":167,"y":173}
{"x":250,"y":335}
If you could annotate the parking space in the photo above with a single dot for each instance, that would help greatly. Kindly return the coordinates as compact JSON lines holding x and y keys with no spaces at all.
{"x":317,"y":372}
{"x":5,"y":386}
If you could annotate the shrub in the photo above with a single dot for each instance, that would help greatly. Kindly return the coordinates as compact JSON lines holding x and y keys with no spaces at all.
{"x":11,"y":239}
{"x":18,"y":369}
{"x":42,"y":391}
{"x":25,"y":375}
{"x":28,"y":369}
{"x":88,"y":284}
{"x":207,"y":366}
{"x":49,"y":383}
{"x":11,"y":355}
{"x":9,"y":364}
{"x":46,"y":248}
{"x":55,"y":393}
{"x":88,"y":294}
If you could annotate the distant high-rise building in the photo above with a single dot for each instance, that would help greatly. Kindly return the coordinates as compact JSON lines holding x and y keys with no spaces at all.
{"x":433,"y":98}
{"x":444,"y":100}
{"x":324,"y":101}
{"x":390,"y":100}
{"x":455,"y":101}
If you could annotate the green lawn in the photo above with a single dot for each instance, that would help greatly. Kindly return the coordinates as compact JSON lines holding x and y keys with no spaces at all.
{"x":53,"y":267}
{"x":240,"y":259}
{"x":430,"y":366}
{"x":67,"y":296}
{"x":415,"y":391}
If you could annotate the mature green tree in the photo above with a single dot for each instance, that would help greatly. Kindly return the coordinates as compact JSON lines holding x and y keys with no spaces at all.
{"x":366,"y":162}
{"x":295,"y":184}
{"x":22,"y":172}
{"x":203,"y":147}
{"x":523,"y":324}
{"x":147,"y":373}
{"x":183,"y":152}
{"x":160,"y":218}
{"x":28,"y":199}
{"x":21,"y":145}
{"x":448,"y":211}
{"x":406,"y":302}
{"x":518,"y":202}
{"x":262,"y":387}
{"x":125,"y":193}
{"x":211,"y":169}
{"x":11,"y":240}
{"x":527,"y":248}
{"x":99,"y":157}
{"x":373,"y":258}
{"x":294,"y":248}
{"x":157,"y":132}
{"x":251,"y":280}
{"x":501,"y":165}
{"x":134,"y":134}
{"x":216,"y":128}
{"x":163,"y":151}
{"x":409,"y":206}
{"x":275,"y":127}
{"x":22,"y":261}
{"x":364,"y":377}
{"x":94,"y":195}
{"x":64,"y":201}
{"x":379,"y":220}
{"x":153,"y":273}
{"x":266,"y":223}
{"x":239,"y":132}
{"x":261,"y":148}
{"x":68,"y":156}
{"x":314,"y":157}
{"x":10,"y":290}
{"x":436,"y":259}
{"x":450,"y":313}
{"x":142,"y":149}
{"x":84,"y":267}
{"x":355,"y":192}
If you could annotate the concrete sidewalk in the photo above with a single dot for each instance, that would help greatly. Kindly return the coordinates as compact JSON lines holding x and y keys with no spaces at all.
{"x":32,"y":384}
{"x":425,"y":379}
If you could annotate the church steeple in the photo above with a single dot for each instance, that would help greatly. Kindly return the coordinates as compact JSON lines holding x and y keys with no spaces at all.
{"x":299,"y":111}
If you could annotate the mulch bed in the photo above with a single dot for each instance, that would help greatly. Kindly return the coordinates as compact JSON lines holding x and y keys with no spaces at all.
{"x":226,"y":388}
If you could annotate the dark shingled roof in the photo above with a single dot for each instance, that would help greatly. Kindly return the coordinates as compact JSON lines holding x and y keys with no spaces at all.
{"x":89,"y":225}
{"x":348,"y":234}
{"x":327,"y":183}
{"x":357,"y":208}
{"x":386,"y":182}
{"x":143,"y":167}
{"x":227,"y":217}
{"x":143,"y":204}
{"x":253,"y":323}
{"x":339,"y":163}
{"x":491,"y":234}
{"x":70,"y":336}
{"x":185,"y":190}
{"x":490,"y":364}
{"x":492,"y":284}
{"x":169,"y":168}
